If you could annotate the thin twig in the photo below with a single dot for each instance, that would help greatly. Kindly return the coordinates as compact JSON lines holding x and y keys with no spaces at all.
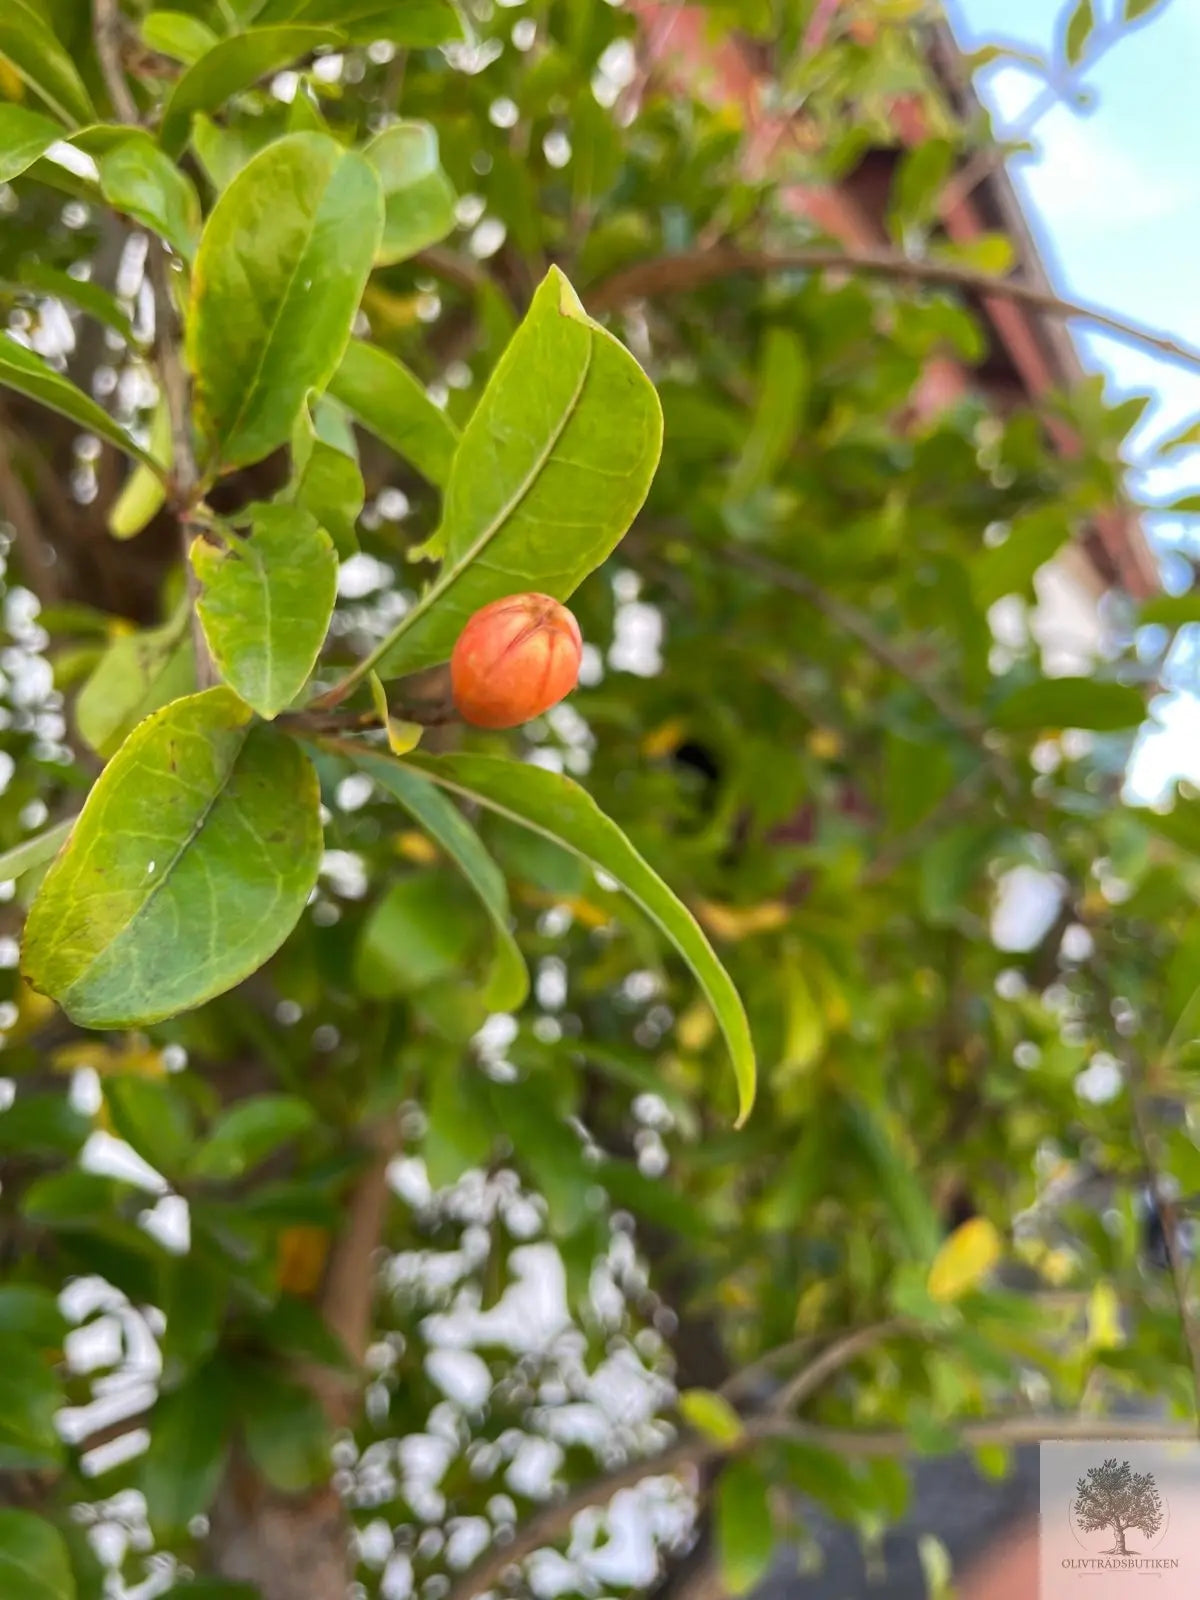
{"x":107,"y":29}
{"x":680,"y":273}
{"x":832,"y":1359}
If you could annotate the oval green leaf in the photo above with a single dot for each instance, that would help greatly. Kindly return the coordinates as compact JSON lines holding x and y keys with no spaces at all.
{"x":37,"y":54}
{"x":508,"y":983}
{"x":138,"y":179}
{"x":28,"y":374}
{"x":558,"y":809}
{"x":392,"y":404}
{"x":187,"y":868}
{"x":24,"y":136}
{"x":34,"y":1564}
{"x":175,"y":34}
{"x":418,"y":197}
{"x":233,"y":64}
{"x":279,"y":274}
{"x":137,"y":674}
{"x":551,"y":470}
{"x":266,"y":604}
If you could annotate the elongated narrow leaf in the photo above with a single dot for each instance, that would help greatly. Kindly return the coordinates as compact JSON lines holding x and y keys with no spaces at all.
{"x":88,"y":296}
{"x":280,"y":270}
{"x":34,"y":1564}
{"x":1080,"y":25}
{"x":138,"y":179}
{"x":1071,"y":703}
{"x":418,"y":197}
{"x":24,"y":136}
{"x":551,"y":471}
{"x":20,"y":369}
{"x":175,"y":34}
{"x":559,"y":810}
{"x":389,"y":401}
{"x":412,"y":24}
{"x":137,"y":674}
{"x":187,"y":868}
{"x":189,"y":1440}
{"x":31,"y":853}
{"x":232,"y":64}
{"x":745,"y":1536}
{"x":1171,"y":610}
{"x":143,"y":492}
{"x":442,"y":820}
{"x":266,"y":604}
{"x":27,"y":42}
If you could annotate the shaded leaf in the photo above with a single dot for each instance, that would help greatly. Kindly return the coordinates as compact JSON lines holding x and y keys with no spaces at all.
{"x":1070,"y":703}
{"x":287,"y":1435}
{"x":20,"y":369}
{"x":174,"y":888}
{"x":30,"y":1397}
{"x":418,"y":198}
{"x":27,"y":42}
{"x":326,"y":482}
{"x":246,"y":1134}
{"x":137,"y":674}
{"x":189,"y":1441}
{"x":266,"y":604}
{"x":33,"y":1312}
{"x":558,"y":809}
{"x":745,"y":1536}
{"x":280,"y":269}
{"x":412,"y":24}
{"x":420,"y":931}
{"x":783,"y":384}
{"x":1008,"y":568}
{"x":34,"y":1564}
{"x":392,"y":404}
{"x":552,"y":468}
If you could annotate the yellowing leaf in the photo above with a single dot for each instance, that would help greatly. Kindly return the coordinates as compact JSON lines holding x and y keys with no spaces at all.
{"x":1104,"y":1319}
{"x":665,"y":739}
{"x":710,"y":1414}
{"x":300,"y":1258}
{"x":695,"y":1027}
{"x":741,"y":922}
{"x":965,"y":1259}
{"x":414,"y":846}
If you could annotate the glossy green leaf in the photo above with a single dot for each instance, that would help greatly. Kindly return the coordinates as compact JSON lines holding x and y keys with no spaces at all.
{"x":744,"y":1532}
{"x":326,"y":480}
{"x":29,"y":45}
{"x":411,"y":24}
{"x":280,"y":270}
{"x":249,"y":1132}
{"x":1071,"y":703}
{"x":34,"y":1564}
{"x":189,"y":1442}
{"x":388,"y":400}
{"x":508,"y":983}
{"x":418,"y":198}
{"x":35,"y":852}
{"x":137,"y":674}
{"x":552,"y":469}
{"x":1080,"y":26}
{"x":233,"y":64}
{"x":174,"y":888}
{"x":138,"y":179}
{"x":143,"y":493}
{"x":286,"y":1432}
{"x":710,"y":1414}
{"x":24,"y":136}
{"x":30,"y":1396}
{"x":178,"y":35}
{"x":266,"y":603}
{"x":558,"y":809}
{"x":22,"y":370}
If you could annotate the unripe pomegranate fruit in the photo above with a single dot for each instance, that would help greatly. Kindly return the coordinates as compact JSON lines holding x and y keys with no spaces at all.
{"x":514,"y":659}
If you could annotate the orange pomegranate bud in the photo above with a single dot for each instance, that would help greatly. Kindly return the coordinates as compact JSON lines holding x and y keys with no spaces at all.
{"x":514,"y":659}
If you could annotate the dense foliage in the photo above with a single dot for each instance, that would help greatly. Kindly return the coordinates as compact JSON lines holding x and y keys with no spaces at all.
{"x":371,"y":1159}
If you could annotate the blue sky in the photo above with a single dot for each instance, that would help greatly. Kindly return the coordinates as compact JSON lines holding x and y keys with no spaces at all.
{"x":1113,"y":197}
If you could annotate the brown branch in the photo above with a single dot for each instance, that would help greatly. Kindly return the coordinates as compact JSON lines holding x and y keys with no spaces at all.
{"x":107,"y":29}
{"x":680,"y":273}
{"x":39,"y":566}
{"x":832,"y":1359}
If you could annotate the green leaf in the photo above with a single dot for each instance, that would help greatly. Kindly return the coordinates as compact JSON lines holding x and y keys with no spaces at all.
{"x":30,"y":1397}
{"x":28,"y":44}
{"x":392,"y":404}
{"x":24,"y":136}
{"x":419,"y":932}
{"x":552,"y":469}
{"x":28,"y":374}
{"x":37,"y":1123}
{"x":710,"y":1414}
{"x":418,"y":198}
{"x":32,"y":1312}
{"x":460,"y":1133}
{"x":326,"y":481}
{"x":266,"y":604}
{"x":233,"y":64}
{"x":152,"y":1117}
{"x":1171,"y":610}
{"x":557,"y":808}
{"x":34,"y":1564}
{"x":1080,"y":24}
{"x":295,"y":1328}
{"x":137,"y":674}
{"x":782,"y":390}
{"x":286,"y":1432}
{"x":138,"y":179}
{"x":1008,"y":568}
{"x":745,"y":1536}
{"x":919,"y":181}
{"x":508,"y":983}
{"x":550,"y":1150}
{"x":1070,"y":703}
{"x":31,"y":853}
{"x":246,"y":1134}
{"x":142,"y":494}
{"x":1134,"y":9}
{"x":280,"y":270}
{"x":175,"y":34}
{"x":412,"y":24}
{"x":189,"y":1441}
{"x":175,"y":886}
{"x":1182,"y":439}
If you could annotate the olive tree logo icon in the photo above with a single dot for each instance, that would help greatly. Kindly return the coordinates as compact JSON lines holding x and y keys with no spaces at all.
{"x":1113,"y":1496}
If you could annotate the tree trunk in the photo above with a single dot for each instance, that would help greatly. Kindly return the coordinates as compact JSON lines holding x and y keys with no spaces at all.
{"x":1119,"y":1548}
{"x":291,"y":1547}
